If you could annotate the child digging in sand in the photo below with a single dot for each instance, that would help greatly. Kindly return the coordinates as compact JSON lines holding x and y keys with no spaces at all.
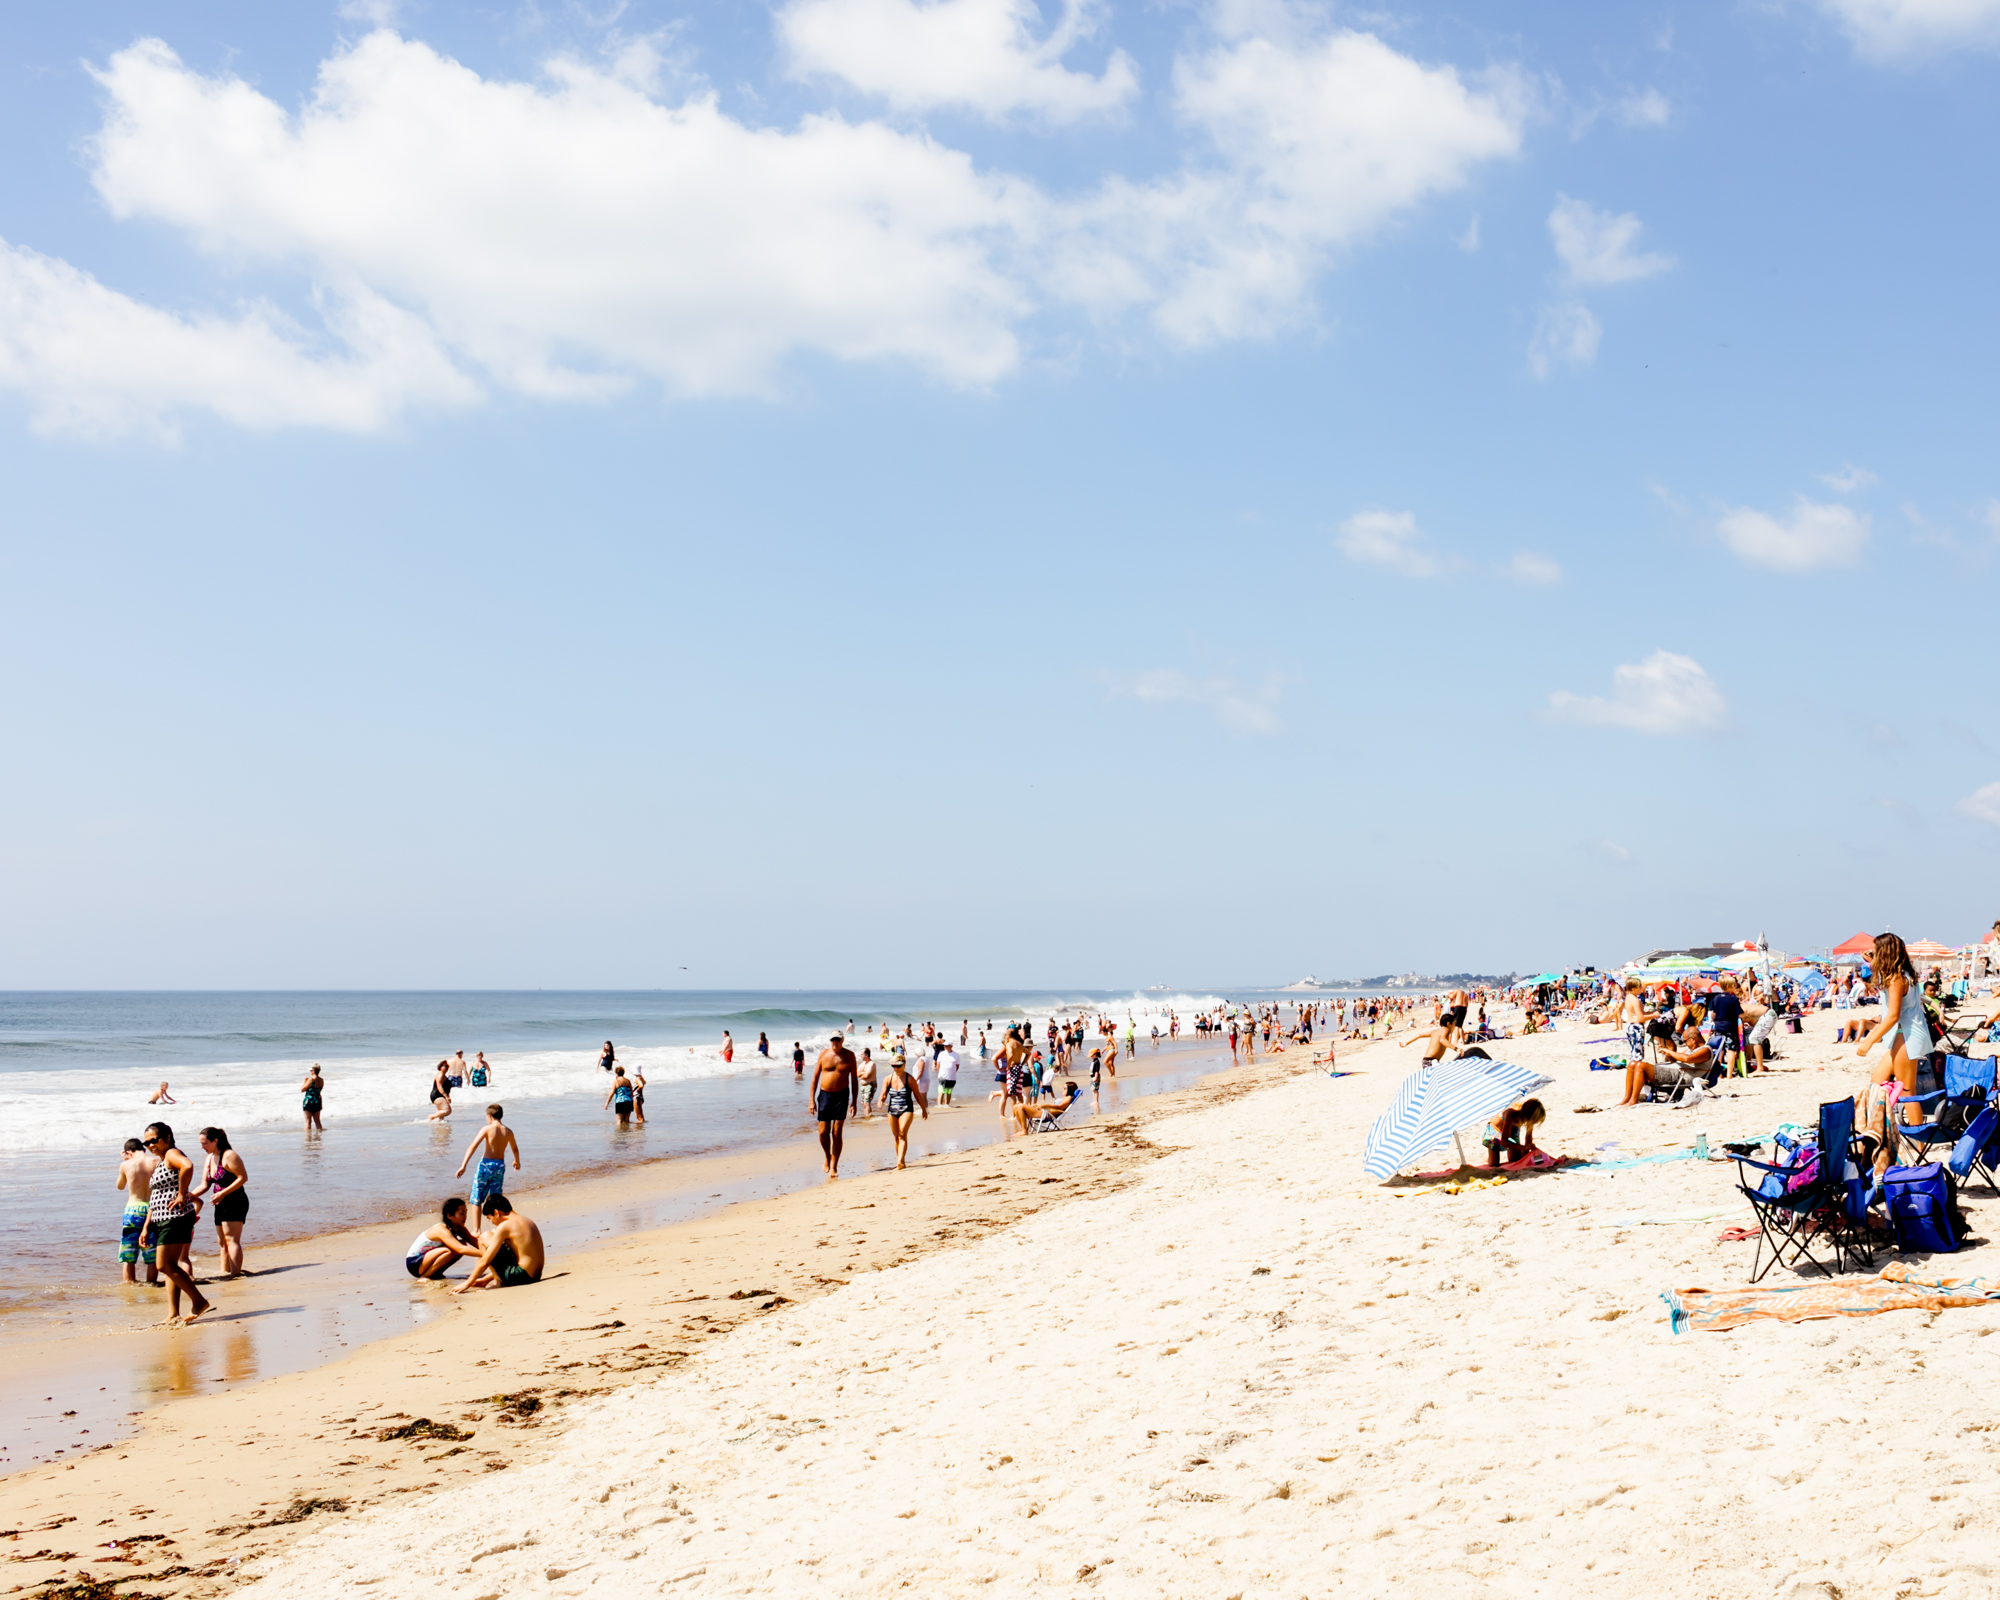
{"x":1512,"y":1135}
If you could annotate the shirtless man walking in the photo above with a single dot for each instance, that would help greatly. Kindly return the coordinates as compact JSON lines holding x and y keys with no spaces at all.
{"x":832,"y":1091}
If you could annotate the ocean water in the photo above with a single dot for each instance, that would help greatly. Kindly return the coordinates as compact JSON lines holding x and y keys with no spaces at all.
{"x":76,"y":1071}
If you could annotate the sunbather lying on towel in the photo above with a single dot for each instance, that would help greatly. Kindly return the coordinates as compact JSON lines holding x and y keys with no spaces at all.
{"x":1026,"y":1112}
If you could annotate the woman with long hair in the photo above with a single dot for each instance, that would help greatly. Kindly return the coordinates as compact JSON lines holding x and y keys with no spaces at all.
{"x":227,"y":1182}
{"x":171,"y":1213}
{"x":1907,"y":1030}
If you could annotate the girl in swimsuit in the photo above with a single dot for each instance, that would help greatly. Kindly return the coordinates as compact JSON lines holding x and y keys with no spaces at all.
{"x":899,"y":1095}
{"x":437,"y":1248}
{"x":229,"y":1182}
{"x":309,"y":1098}
{"x":1903,"y":1022}
{"x":173,"y":1207}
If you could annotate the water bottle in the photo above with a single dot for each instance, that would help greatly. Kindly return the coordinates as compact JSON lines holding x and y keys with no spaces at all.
{"x":1701,"y":1145}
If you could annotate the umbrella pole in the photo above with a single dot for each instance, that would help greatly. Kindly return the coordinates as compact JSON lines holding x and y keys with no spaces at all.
{"x":1459,"y":1140}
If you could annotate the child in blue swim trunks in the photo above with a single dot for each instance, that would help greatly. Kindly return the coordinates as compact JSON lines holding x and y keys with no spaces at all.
{"x":491,"y":1144}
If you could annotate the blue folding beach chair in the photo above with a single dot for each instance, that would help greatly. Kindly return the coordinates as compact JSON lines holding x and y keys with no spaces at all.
{"x":1978,"y":1149}
{"x":1968,"y":1086}
{"x":1823,"y":1198}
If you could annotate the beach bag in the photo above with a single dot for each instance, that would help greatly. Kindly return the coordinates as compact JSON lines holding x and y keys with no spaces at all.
{"x":1795,"y":1025}
{"x":1804,"y":1172}
{"x":1923,"y":1208}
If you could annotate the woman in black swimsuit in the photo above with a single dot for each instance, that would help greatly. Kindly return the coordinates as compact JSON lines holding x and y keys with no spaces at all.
{"x":228,"y":1183}
{"x":441,"y":1092}
{"x":899,"y":1095}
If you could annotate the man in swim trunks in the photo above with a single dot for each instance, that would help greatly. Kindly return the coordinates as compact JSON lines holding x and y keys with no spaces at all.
{"x":135,"y":1177}
{"x":513,"y":1255}
{"x":832,"y":1090}
{"x":458,"y":1070}
{"x":495,"y":1139}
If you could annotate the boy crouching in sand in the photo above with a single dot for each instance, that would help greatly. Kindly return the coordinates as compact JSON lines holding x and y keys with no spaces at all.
{"x":513,"y":1253}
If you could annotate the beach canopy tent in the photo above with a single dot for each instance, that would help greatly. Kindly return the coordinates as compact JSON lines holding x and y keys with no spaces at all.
{"x":1809,"y":980}
{"x":1859,"y":945}
{"x":1439,"y":1101}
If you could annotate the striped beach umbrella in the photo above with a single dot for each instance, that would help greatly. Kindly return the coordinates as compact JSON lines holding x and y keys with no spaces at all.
{"x":1437,"y":1102}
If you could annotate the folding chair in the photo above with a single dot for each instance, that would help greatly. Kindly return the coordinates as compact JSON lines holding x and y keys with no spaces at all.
{"x":1978,"y":1150}
{"x":1051,"y":1121}
{"x":1968,"y":1086}
{"x":1829,"y":1207}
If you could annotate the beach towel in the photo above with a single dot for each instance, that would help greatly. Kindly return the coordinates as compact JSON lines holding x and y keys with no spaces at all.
{"x":1899,"y":1287}
{"x":1533,"y":1161}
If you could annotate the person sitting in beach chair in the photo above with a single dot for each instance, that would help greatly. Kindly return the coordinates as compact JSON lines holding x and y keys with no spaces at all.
{"x":1043,"y":1116}
{"x":1511,"y":1135}
{"x":1671,"y":1074}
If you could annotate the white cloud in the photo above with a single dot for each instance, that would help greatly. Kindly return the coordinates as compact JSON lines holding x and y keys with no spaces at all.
{"x":981,"y":54}
{"x":1528,"y":567}
{"x":1665,"y":693}
{"x":568,"y":237}
{"x":1566,"y":335}
{"x":1596,"y":246}
{"x":1982,"y":805}
{"x":1318,"y":142}
{"x":1614,"y":851}
{"x":375,"y":13}
{"x":1646,"y":108}
{"x":1813,"y":535}
{"x":1990,"y":515}
{"x":97,"y":362}
{"x":565,"y":238}
{"x":1387,"y":539}
{"x":1246,"y":710}
{"x":1468,"y":241}
{"x":1899,"y":29}
{"x":1849,"y":478}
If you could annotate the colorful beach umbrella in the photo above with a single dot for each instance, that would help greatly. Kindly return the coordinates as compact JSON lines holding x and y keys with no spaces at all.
{"x":1439,"y":1101}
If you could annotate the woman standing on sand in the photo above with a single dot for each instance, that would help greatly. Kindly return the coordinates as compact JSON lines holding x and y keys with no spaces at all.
{"x":228,"y":1181}
{"x":1907,"y":1029}
{"x":899,"y":1095}
{"x":310,"y":1093}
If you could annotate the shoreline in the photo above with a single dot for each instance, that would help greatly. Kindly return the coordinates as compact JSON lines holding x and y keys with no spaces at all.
{"x":221,"y":1510}
{"x":84,"y":1373}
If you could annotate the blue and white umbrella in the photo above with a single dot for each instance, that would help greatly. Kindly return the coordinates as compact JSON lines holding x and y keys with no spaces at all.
{"x":1438,"y":1101}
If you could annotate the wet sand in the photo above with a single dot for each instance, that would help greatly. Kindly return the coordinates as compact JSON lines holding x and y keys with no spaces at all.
{"x":207,"y":1482}
{"x":81,"y":1369}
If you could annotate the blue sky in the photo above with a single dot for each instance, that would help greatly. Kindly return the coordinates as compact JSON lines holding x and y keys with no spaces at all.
{"x":945,"y":492}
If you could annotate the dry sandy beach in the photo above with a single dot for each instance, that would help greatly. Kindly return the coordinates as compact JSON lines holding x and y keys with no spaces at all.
{"x":1185,"y":1351}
